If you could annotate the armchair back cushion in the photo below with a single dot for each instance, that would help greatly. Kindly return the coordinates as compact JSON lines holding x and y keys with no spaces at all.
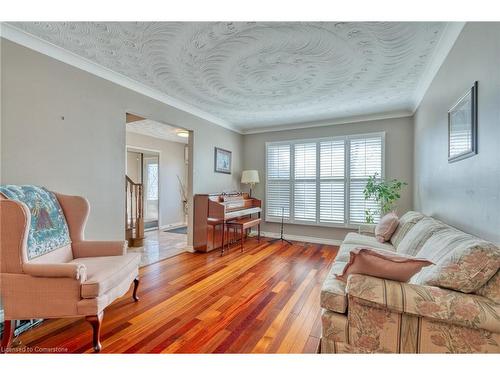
{"x":48,"y":229}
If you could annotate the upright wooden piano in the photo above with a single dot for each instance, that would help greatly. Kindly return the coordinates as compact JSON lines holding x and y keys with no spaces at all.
{"x":212,"y":211}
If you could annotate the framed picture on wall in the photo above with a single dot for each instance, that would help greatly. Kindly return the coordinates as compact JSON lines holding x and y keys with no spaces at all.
{"x":222,"y":161}
{"x":462,"y":127}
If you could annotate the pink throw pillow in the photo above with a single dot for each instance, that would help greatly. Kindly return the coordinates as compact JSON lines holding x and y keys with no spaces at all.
{"x":386,"y":227}
{"x":383,"y":264}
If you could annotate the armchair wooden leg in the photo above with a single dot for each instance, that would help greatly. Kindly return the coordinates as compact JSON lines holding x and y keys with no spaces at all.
{"x":95,"y":321}
{"x":8,"y":334}
{"x":136,"y":285}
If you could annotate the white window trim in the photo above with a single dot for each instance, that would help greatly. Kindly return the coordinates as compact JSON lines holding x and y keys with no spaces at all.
{"x":347,"y":139}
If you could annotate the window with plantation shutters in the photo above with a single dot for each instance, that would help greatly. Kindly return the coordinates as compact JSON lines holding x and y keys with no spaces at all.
{"x":321,"y":182}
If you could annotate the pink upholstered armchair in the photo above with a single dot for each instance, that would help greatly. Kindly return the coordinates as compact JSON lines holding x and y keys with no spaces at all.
{"x":79,"y":279}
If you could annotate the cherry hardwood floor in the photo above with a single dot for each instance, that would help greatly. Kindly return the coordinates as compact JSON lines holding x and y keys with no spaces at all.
{"x":264,"y":300}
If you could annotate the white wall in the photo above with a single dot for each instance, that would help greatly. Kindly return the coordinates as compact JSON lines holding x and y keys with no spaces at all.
{"x":398,"y":163}
{"x":84,"y":153}
{"x":465,"y":194}
{"x":171,"y":165}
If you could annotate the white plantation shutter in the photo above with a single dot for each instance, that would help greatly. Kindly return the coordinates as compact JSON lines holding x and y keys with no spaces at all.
{"x":321,"y":181}
{"x":305,"y":161}
{"x":332,"y":181}
{"x":304,"y":193}
{"x":278,"y":180}
{"x":365,"y":159}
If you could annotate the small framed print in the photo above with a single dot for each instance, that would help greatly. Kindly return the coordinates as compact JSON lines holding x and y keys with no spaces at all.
{"x":222,"y":161}
{"x":462,"y":127}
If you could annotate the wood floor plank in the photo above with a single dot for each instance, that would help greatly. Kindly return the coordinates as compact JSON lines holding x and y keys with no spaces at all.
{"x":264,"y":300}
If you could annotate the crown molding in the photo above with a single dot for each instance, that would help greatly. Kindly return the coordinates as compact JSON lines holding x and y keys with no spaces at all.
{"x":35,"y":43}
{"x":445,"y":43}
{"x":448,"y":38}
{"x":338,"y":121}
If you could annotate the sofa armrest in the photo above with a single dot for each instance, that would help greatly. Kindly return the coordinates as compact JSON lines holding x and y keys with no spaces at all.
{"x":71,"y":270}
{"x":90,"y":249}
{"x":432,"y":302}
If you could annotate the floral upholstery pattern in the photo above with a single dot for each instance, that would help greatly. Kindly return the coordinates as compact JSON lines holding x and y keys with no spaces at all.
{"x":333,"y":296}
{"x":492,"y":288}
{"x":406,"y":222}
{"x":48,"y":228}
{"x":335,"y":326}
{"x":372,"y":329}
{"x":470,"y":265}
{"x":452,"y":307}
{"x":426,"y":301}
{"x":439,"y":337}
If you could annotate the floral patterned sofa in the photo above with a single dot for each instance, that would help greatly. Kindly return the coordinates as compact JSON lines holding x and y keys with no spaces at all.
{"x":450,"y":307}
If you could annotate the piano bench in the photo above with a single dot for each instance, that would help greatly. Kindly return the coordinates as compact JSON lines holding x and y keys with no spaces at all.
{"x":242,"y":225}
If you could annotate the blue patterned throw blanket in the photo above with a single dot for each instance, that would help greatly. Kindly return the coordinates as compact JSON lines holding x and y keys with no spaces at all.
{"x":48,"y":230}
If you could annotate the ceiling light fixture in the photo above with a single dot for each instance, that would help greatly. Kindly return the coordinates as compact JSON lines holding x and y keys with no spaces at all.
{"x":183,"y":133}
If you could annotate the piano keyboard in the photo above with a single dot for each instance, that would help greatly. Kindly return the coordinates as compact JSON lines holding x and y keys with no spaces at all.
{"x":247,"y":211}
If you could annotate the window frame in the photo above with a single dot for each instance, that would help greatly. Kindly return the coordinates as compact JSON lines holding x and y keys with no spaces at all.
{"x":347,"y":177}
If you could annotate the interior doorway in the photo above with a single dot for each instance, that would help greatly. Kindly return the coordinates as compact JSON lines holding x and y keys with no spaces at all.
{"x":143,"y":167}
{"x":158,"y":170}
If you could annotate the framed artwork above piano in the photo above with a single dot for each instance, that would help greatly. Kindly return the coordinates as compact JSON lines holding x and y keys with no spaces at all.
{"x":212,"y":211}
{"x":222,"y":160}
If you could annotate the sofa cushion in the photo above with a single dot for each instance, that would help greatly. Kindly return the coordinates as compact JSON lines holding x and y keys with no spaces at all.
{"x":463,"y":262}
{"x":333,"y":296}
{"x":354,"y":240}
{"x":386,"y":227}
{"x":418,"y":235}
{"x":406,"y":222}
{"x":491,"y":289}
{"x":104,"y":273}
{"x":384,"y":264}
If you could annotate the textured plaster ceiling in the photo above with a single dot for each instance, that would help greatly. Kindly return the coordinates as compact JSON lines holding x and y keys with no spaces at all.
{"x":156,"y":130}
{"x":258,"y":75}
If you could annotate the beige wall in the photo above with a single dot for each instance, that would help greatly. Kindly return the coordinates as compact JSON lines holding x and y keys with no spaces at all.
{"x":398,"y":162}
{"x":466,"y":193}
{"x":171,"y":165}
{"x":84,"y":153}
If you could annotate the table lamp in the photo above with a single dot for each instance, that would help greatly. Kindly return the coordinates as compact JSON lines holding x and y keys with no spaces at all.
{"x":250,"y":177}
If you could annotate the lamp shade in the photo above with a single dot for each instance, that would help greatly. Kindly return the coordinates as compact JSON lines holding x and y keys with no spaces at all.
{"x":250,"y":177}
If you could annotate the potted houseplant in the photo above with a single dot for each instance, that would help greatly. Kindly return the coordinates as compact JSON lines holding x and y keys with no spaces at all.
{"x":384,"y":192}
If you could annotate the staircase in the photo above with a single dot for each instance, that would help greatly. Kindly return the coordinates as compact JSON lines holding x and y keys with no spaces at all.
{"x":134,"y":213}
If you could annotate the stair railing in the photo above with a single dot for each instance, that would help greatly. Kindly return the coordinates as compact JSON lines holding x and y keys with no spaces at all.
{"x":134,"y":212}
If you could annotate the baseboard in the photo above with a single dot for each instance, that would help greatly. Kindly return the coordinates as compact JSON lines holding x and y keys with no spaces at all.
{"x":291,"y":237}
{"x":173,"y":226}
{"x":189,"y":249}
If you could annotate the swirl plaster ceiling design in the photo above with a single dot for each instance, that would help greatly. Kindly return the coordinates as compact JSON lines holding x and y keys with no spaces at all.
{"x":156,"y":129}
{"x":259,"y":74}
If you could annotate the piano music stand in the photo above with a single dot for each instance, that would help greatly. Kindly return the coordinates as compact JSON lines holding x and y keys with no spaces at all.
{"x":281,"y":230}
